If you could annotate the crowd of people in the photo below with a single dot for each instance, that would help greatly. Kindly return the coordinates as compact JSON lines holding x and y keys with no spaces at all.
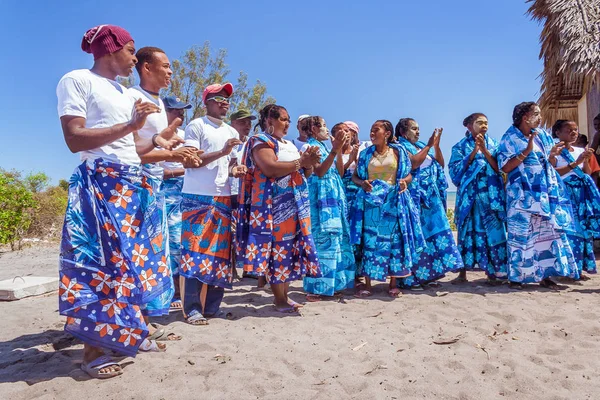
{"x":160,"y":217}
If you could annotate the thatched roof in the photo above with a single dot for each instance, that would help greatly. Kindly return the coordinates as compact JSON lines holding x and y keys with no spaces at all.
{"x":570,"y":50}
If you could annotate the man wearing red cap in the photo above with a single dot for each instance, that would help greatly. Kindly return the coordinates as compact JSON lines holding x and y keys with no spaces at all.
{"x":206,"y":208}
{"x":111,"y":251}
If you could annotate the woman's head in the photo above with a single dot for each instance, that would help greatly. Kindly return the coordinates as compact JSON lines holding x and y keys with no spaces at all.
{"x":317,"y":128}
{"x":476,"y":123}
{"x":382,"y":132}
{"x":527,"y":115}
{"x":566,"y":131}
{"x":339,"y":130}
{"x":274,"y":120}
{"x":408,"y":129}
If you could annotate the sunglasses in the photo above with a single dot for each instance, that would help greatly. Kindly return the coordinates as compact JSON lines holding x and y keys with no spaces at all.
{"x":220,"y":99}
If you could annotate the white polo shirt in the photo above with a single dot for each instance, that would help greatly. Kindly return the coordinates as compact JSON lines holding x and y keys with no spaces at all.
{"x":103,"y":103}
{"x":211,"y":179}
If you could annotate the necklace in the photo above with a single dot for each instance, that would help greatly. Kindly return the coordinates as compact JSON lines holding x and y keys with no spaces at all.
{"x":381,"y":156}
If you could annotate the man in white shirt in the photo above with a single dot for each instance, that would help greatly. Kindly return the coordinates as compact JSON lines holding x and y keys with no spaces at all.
{"x":206,"y":208}
{"x":110,"y":241}
{"x":302,"y":134}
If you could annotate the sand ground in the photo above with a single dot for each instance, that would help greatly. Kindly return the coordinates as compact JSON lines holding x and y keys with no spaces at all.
{"x":532,"y":344}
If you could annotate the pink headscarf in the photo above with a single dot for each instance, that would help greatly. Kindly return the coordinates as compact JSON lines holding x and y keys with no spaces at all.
{"x":104,"y":39}
{"x":352,"y":125}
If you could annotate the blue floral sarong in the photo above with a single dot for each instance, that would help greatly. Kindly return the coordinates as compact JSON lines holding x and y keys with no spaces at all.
{"x":385,"y":223}
{"x":330,"y":230}
{"x":480,"y":213}
{"x":428,"y":190}
{"x":585,"y":201}
{"x":112,"y":257}
{"x":538,"y":212}
{"x":171,"y":190}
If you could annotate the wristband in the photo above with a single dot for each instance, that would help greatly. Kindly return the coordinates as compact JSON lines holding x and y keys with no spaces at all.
{"x":154,"y":140}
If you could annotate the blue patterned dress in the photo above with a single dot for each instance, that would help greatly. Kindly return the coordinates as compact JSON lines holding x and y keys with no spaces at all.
{"x":480,"y":213}
{"x":112,"y":255}
{"x":330,"y":230}
{"x":428,"y":190}
{"x":585,"y":200}
{"x":385,"y":223}
{"x":538,"y":210}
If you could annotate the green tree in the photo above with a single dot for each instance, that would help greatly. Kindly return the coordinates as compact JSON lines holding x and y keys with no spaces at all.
{"x":16,"y":204}
{"x":63,"y":183}
{"x":199,"y":68}
{"x":37,"y":182}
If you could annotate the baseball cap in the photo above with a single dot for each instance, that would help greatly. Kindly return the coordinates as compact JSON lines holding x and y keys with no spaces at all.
{"x":175,"y":103}
{"x":216,"y":88}
{"x":241,"y":114}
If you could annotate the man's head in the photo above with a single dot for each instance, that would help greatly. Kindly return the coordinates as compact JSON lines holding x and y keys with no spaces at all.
{"x":113,"y":47}
{"x":154,"y":68}
{"x":241,"y":121}
{"x":216,"y":99}
{"x":175,"y":108}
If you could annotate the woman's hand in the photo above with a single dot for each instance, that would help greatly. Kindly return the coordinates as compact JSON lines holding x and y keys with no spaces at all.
{"x":556,"y":149}
{"x":438,"y":136}
{"x":354,"y":153}
{"x":532,"y":136}
{"x":239,"y":171}
{"x":366,"y":186}
{"x":340,"y":141}
{"x":310,"y":157}
{"x":403,"y":185}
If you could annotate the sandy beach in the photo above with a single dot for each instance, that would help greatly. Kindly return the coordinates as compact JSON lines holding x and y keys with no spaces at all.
{"x":454,"y":342}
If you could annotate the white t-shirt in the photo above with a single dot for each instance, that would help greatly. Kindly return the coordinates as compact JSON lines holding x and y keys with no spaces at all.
{"x":561,"y":161}
{"x":287,"y":150}
{"x":174,"y":164}
{"x":351,"y":167}
{"x":427,"y":162}
{"x":211,"y":179}
{"x":103,"y":103}
{"x":155,"y":123}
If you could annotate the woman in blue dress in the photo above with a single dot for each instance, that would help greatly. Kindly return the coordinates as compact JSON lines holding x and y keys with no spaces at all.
{"x":384,"y":220}
{"x":329,"y":213}
{"x":572,"y":163}
{"x":428,"y":190}
{"x":539,"y":212}
{"x":480,"y":213}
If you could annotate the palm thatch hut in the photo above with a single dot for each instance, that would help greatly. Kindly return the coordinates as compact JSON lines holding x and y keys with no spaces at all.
{"x":570,"y":49}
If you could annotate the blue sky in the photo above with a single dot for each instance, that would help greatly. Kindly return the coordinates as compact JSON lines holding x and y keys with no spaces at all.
{"x":435,"y":61}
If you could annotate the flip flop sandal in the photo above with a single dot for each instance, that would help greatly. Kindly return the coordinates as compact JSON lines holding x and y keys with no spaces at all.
{"x":93,"y":368}
{"x":362,"y":294}
{"x":170,"y":337}
{"x":417,"y":288}
{"x":394,"y":293}
{"x":295,"y":304}
{"x":197,"y":319}
{"x":515,"y":285}
{"x":313,"y":298}
{"x":548,"y":284}
{"x":286,"y":310}
{"x":176,"y":305}
{"x":437,"y":284}
{"x":151,"y":346}
{"x":458,"y":281}
{"x":158,"y":333}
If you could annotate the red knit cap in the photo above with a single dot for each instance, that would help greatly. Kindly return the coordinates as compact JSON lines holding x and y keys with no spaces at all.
{"x":104,"y":39}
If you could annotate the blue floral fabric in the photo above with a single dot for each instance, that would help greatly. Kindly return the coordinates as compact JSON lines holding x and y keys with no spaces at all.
{"x":539,"y":212}
{"x":330,"y":230}
{"x":480,"y":212}
{"x":385,"y":223}
{"x":428,"y":189}
{"x":171,"y":190}
{"x":585,"y":201}
{"x":112,"y":255}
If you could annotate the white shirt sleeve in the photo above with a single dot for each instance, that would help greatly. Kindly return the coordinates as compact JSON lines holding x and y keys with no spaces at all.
{"x":72,"y":97}
{"x":192,"y":137}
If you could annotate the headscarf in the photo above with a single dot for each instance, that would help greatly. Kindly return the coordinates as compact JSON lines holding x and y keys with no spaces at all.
{"x":104,"y":39}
